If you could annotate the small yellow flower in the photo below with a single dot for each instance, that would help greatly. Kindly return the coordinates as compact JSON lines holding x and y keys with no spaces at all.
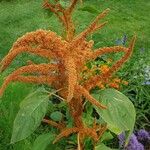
{"x":114,"y":85}
{"x":116,"y":80}
{"x":104,"y":68}
{"x":125,"y":82}
{"x":109,"y":60}
{"x":100,"y":85}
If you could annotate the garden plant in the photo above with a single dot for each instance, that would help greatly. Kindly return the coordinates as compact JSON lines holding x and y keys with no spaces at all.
{"x":90,"y":105}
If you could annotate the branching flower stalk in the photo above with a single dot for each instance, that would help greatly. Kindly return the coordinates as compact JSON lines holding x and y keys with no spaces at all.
{"x":71,"y":55}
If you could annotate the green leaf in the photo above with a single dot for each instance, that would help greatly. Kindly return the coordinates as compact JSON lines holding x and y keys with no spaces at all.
{"x":102,"y":147}
{"x":56,"y":116}
{"x":32,"y":110}
{"x":90,"y":9}
{"x":120,"y":113}
{"x":107,"y":136}
{"x":43,"y":141}
{"x":87,"y":119}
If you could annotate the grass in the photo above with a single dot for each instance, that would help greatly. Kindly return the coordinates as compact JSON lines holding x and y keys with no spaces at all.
{"x":20,"y":16}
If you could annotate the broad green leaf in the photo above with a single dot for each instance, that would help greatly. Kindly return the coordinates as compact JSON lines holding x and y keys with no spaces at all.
{"x":42,"y":141}
{"x":90,"y":9}
{"x":32,"y":110}
{"x":120,"y":113}
{"x":102,"y":147}
{"x":87,"y":119}
{"x":107,"y":136}
{"x":56,"y":116}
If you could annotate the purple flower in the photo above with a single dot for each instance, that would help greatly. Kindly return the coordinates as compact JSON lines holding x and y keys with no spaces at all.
{"x":121,"y":138}
{"x":140,"y":146}
{"x":118,"y":42}
{"x":143,"y":135}
{"x":133,"y":143}
{"x":146,"y":83}
{"x":142,"y":49}
{"x":121,"y":41}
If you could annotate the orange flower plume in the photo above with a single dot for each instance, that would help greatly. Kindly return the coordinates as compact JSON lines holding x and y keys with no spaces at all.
{"x":69,"y":56}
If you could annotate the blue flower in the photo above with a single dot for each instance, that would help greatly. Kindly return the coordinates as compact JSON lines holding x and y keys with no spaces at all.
{"x":121,"y":138}
{"x":124,"y":39}
{"x":143,"y":135}
{"x":133,"y":144}
{"x":121,"y":41}
{"x":147,"y":83}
